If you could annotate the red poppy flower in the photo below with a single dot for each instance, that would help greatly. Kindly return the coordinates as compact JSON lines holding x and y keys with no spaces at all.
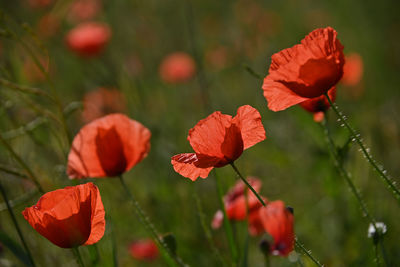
{"x":144,"y":249}
{"x":219,"y":140}
{"x":107,"y":147}
{"x":39,"y":3}
{"x":304,"y":71}
{"x":69,"y":217}
{"x":88,"y":39}
{"x":318,"y":105}
{"x":235,"y":206}
{"x":81,"y":10}
{"x":278,"y":222}
{"x":177,"y":67}
{"x":101,"y":102}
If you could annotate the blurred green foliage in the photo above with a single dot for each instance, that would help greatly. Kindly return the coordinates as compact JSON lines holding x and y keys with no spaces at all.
{"x":293,"y":163}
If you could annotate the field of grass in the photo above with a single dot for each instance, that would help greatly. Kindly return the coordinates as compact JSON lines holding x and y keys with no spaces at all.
{"x":225,"y":39}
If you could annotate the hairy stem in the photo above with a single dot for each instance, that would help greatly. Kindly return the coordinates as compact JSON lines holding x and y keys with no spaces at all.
{"x":356,"y":137}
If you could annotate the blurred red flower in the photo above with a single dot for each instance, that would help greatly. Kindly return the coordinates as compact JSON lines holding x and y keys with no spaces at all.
{"x":219,"y":140}
{"x":144,"y":249}
{"x":235,"y":206}
{"x":107,"y":147}
{"x":352,"y":69}
{"x":81,"y":10}
{"x":101,"y":102}
{"x":39,"y":3}
{"x":48,"y":25}
{"x":177,"y":67}
{"x":69,"y":217}
{"x":278,"y":223}
{"x":304,"y":71}
{"x":88,"y":39}
{"x":318,"y":105}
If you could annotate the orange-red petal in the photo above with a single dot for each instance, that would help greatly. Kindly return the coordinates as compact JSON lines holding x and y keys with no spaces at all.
{"x":192,"y":165}
{"x":249,"y":121}
{"x":208,"y":135}
{"x":108,"y":146}
{"x":68,"y":217}
{"x":278,"y":222}
{"x":306,"y":70}
{"x":320,"y":103}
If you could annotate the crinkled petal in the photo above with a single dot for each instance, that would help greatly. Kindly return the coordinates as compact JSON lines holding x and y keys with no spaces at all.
{"x":192,"y":165}
{"x":307,"y":70}
{"x":278,"y":96}
{"x":208,"y":135}
{"x":249,"y":121}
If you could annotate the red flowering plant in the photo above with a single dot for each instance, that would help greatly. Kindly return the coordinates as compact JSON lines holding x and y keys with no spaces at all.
{"x":108,"y":146}
{"x":144,"y":250}
{"x":69,"y":217}
{"x":304,"y":71}
{"x":318,"y":105}
{"x":219,"y":140}
{"x":177,"y":67}
{"x":277,"y":221}
{"x":88,"y":39}
{"x":101,"y":102}
{"x":235,"y":206}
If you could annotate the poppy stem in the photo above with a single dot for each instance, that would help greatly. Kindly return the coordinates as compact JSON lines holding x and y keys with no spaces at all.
{"x":307,"y":252}
{"x":248,"y":185}
{"x":22,"y":163}
{"x":339,"y":166}
{"x":144,"y":219}
{"x":356,"y":138}
{"x":206,"y":230}
{"x":246,"y":243}
{"x":267,"y":260}
{"x":21,"y":236}
{"x":346,"y":175}
{"x":78,"y":257}
{"x":227,"y":223}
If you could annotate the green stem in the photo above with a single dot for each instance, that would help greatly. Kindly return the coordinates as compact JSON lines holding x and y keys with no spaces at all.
{"x":22,"y":163}
{"x":246,"y":243}
{"x":346,"y":175}
{"x":206,"y":230}
{"x":78,"y":257}
{"x":340,"y":168}
{"x":144,"y":219}
{"x":267,"y":259}
{"x":364,"y":150}
{"x":307,"y":252}
{"x":21,"y":236}
{"x":248,"y":185}
{"x":227,"y":223}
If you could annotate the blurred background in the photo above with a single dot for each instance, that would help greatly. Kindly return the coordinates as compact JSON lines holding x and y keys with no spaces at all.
{"x":169,"y":64}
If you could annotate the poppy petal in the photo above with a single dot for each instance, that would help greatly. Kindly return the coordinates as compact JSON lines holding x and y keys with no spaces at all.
{"x":192,"y":166}
{"x":232,"y":147}
{"x":307,"y":70}
{"x":98,"y":225}
{"x":251,"y":126}
{"x":108,"y":146}
{"x":208,"y":135}
{"x":66,"y":216}
{"x":278,"y":96}
{"x":278,"y":222}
